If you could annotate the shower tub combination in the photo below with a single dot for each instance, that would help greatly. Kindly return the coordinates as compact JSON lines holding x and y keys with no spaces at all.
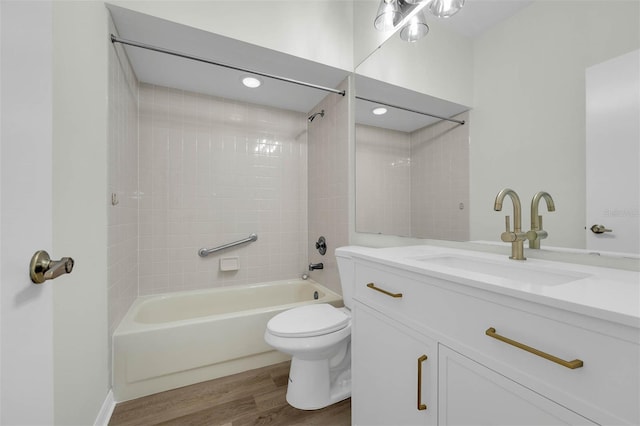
{"x":176,"y":339}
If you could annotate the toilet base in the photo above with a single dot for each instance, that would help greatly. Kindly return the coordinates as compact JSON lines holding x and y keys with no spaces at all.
{"x":313,"y":385}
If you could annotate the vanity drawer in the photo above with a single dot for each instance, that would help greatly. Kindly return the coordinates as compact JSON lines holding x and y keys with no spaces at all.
{"x":608,"y":378}
{"x":397,"y":296}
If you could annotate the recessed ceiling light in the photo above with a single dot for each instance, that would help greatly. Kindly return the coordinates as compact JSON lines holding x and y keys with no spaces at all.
{"x":251,"y":82}
{"x":379,"y":111}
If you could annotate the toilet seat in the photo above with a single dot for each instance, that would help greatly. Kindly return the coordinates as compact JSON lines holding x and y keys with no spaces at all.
{"x":308,"y":321}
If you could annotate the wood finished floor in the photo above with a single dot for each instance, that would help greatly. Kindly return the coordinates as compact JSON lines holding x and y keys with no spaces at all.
{"x":255,"y":397}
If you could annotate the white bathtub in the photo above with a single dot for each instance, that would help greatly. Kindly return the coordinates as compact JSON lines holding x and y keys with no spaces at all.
{"x":176,"y":339}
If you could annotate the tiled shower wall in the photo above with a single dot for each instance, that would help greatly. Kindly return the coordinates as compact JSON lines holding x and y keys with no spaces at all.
{"x":328,"y":163}
{"x":213,"y":171}
{"x":414,"y":184}
{"x":440,"y":181}
{"x":383,"y":179}
{"x":122,"y":196}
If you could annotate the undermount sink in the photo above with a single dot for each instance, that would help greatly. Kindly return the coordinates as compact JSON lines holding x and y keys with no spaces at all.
{"x":526,"y":274}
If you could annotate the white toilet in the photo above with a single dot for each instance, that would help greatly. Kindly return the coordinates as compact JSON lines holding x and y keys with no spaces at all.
{"x":318,"y":338}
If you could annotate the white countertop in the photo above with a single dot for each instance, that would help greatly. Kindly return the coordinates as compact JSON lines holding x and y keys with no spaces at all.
{"x":605,"y":293}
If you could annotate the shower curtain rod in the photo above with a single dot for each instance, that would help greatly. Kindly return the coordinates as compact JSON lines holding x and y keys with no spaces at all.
{"x":115,"y":39}
{"x":461,"y":122}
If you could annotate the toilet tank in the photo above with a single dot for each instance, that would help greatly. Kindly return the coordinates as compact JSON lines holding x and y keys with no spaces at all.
{"x":346,"y":269}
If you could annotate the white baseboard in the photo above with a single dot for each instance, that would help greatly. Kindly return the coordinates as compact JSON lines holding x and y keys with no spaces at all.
{"x":106,"y":410}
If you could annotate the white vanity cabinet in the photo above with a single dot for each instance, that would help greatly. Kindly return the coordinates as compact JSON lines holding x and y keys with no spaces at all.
{"x":478,"y":369}
{"x":395,"y":378}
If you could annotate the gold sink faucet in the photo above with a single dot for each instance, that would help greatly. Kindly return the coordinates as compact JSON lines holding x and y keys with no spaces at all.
{"x":517,"y":237}
{"x":537,"y":233}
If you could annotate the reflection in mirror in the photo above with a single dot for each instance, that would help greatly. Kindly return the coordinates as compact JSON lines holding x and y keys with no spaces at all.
{"x":524,"y":78}
{"x":412,"y":174}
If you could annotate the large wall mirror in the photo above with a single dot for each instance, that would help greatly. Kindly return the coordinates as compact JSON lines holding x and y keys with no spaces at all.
{"x":524,"y":82}
{"x":412,"y":167}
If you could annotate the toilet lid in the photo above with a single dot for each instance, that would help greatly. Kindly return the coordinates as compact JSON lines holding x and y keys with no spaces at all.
{"x":307,"y":321}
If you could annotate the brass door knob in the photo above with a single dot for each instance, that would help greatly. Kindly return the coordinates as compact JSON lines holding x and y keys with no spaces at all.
{"x":42,"y":268}
{"x":599,"y":229}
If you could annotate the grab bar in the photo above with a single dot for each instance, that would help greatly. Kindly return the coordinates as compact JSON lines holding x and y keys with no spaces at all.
{"x":204,"y":252}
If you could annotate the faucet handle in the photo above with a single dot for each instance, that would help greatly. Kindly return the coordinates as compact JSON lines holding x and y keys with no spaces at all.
{"x":541,"y":233}
{"x":510,"y":237}
{"x":507,"y":236}
{"x":536,"y":235}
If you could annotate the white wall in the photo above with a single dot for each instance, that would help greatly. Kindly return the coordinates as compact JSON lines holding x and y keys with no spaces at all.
{"x":440,"y":65}
{"x":528,"y":120}
{"x":80,"y":72}
{"x":317,"y":30}
{"x":366,"y":38}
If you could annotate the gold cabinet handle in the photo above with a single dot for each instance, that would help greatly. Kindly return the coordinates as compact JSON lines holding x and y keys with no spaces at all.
{"x":421,"y":406}
{"x":388,"y":293}
{"x":576,"y":363}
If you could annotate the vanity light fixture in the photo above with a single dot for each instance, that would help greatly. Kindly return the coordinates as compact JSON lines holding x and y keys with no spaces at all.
{"x":379,"y":111}
{"x":251,"y":82}
{"x":389,"y":15}
{"x":393,"y":12}
{"x":445,"y":8}
{"x":415,"y":29}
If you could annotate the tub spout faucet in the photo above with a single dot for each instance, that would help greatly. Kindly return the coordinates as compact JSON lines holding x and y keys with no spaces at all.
{"x":537,"y":233}
{"x":314,"y":266}
{"x":515,"y":237}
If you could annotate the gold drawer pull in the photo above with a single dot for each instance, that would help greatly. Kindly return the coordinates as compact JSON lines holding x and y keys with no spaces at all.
{"x":421,"y":406}
{"x":576,"y":363}
{"x":388,"y":293}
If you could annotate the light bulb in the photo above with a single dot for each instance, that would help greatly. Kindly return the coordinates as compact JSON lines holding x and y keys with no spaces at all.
{"x":388,"y":16}
{"x":445,"y":8}
{"x":415,"y":29}
{"x":251,"y":82}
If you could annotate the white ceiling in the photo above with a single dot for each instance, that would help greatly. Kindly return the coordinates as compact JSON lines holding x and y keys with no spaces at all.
{"x":171,"y":71}
{"x":478,"y":16}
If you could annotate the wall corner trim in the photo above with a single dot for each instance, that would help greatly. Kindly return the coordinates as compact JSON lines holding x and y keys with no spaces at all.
{"x":106,"y":410}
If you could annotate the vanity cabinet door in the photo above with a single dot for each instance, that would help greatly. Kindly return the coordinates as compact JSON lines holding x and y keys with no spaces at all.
{"x":472,"y":394}
{"x":387,"y":361}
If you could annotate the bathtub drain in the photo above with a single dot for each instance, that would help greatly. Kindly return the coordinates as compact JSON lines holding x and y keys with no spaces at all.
{"x":315,"y":295}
